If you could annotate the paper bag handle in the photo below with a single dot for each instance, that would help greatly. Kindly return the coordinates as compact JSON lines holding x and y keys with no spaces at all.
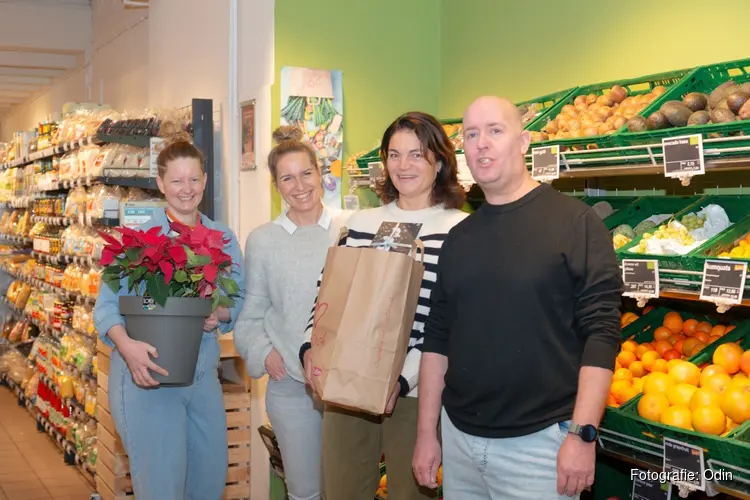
{"x":415,"y":247}
{"x":344,"y":230}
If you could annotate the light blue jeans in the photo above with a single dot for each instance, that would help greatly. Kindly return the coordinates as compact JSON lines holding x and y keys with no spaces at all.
{"x":521,"y":468}
{"x":175,"y":437}
{"x":297,"y":421}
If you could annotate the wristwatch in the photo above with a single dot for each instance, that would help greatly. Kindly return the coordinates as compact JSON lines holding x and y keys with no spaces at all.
{"x":588,"y":433}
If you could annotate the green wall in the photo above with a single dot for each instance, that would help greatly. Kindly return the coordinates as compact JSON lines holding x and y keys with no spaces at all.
{"x":388,"y":52}
{"x":525,"y":49}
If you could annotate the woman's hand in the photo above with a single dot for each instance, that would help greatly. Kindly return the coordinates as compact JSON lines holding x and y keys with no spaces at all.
{"x":211,"y":323}
{"x":137,"y":355}
{"x":275,"y":365}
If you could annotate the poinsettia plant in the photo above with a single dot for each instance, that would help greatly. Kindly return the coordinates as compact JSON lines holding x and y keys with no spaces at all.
{"x":190,"y":264}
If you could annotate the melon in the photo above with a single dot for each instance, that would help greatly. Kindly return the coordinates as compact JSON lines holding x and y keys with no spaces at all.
{"x":624,"y":230}
{"x":643,"y":227}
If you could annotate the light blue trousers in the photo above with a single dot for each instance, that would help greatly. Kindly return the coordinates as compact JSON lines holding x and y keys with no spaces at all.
{"x":175,"y":437}
{"x":520,"y":468}
{"x":297,"y":422}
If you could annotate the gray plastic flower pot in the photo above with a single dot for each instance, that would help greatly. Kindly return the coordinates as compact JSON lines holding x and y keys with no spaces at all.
{"x":175,"y":330}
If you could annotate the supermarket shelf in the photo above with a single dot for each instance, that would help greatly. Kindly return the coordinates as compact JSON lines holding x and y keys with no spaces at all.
{"x":717,"y":165}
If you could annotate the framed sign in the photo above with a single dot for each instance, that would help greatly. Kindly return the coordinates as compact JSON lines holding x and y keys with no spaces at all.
{"x":247,"y":130}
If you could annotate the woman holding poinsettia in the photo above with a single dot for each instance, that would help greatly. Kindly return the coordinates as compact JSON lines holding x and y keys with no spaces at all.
{"x":175,"y":436}
{"x":283,"y":259}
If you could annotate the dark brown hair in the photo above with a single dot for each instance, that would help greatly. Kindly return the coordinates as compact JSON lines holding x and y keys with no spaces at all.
{"x":179,"y":146}
{"x":433,"y":138}
{"x":288,"y":139}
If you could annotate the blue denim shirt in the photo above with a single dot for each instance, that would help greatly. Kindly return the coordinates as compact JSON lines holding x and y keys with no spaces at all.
{"x":107,"y":310}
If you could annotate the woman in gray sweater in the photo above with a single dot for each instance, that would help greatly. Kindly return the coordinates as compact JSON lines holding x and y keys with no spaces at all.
{"x":283,"y":260}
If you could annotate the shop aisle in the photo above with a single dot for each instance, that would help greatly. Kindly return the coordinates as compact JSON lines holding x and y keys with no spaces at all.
{"x":31,"y":466}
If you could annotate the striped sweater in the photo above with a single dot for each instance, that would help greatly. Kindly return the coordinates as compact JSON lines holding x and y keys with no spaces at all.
{"x":435,"y":223}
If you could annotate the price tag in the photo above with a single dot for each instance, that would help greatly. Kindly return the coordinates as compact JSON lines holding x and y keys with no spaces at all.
{"x":723,"y":280}
{"x":641,"y":278}
{"x":135,"y":213}
{"x":645,"y":489}
{"x":464,"y":174}
{"x":545,"y":163}
{"x":683,"y":156}
{"x":684,"y":464}
{"x":374,"y":170}
{"x":156,"y":144}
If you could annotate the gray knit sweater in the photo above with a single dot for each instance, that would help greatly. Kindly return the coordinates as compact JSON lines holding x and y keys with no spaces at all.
{"x":282,"y":264}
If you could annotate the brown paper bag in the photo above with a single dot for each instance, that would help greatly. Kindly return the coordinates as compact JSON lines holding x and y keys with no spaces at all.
{"x":362,"y":324}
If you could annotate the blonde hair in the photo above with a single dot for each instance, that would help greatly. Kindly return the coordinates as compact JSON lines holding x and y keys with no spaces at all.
{"x":179,"y":145}
{"x":288,"y":139}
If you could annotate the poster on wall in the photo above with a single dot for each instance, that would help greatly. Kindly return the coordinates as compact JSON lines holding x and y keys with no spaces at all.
{"x":312,"y":99}
{"x":247,"y":120}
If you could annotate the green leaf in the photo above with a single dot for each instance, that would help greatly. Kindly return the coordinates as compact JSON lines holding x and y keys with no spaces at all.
{"x":180,"y":276}
{"x":196,"y":260}
{"x":225,"y":301}
{"x":111,"y":276}
{"x":132,"y":254}
{"x":195,"y":278}
{"x":157,"y":289}
{"x":229,"y":285}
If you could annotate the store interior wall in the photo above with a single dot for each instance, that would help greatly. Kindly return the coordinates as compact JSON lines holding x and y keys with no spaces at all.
{"x":388,"y":53}
{"x":523,"y":50}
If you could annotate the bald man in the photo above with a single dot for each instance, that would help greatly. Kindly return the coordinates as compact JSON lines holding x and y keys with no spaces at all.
{"x":523,"y":331}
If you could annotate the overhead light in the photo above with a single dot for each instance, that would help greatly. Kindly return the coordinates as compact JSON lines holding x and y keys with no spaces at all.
{"x":135,"y":3}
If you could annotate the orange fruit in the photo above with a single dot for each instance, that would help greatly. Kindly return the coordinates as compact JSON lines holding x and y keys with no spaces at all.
{"x":637,"y":384}
{"x":729,"y":329}
{"x":611,"y":400}
{"x":620,"y":389}
{"x":648,"y":359}
{"x":718,"y":330}
{"x":623,"y":374}
{"x":709,"y":420}
{"x":647,"y":310}
{"x":625,"y":358}
{"x":642,"y":349}
{"x":704,"y":397}
{"x":678,"y":416}
{"x":673,"y":321}
{"x":626,"y":395}
{"x":716,"y":382}
{"x":685,"y":372}
{"x":678,"y":346}
{"x":688,"y":327}
{"x":671,"y":354}
{"x":629,"y":345}
{"x":653,"y":406}
{"x":627,"y":318}
{"x":740,"y":381}
{"x":728,"y":355}
{"x":711,"y":370}
{"x":704,"y":326}
{"x":662,"y":333}
{"x":662,"y":346}
{"x":676,"y":338}
{"x":713,"y":338}
{"x":660,"y":365}
{"x":681,"y":394}
{"x":657,"y":382}
{"x":702,"y":336}
{"x":735,"y":403}
{"x":745,"y":362}
{"x":696,"y":349}
{"x":637,"y":369}
{"x":688,"y":344}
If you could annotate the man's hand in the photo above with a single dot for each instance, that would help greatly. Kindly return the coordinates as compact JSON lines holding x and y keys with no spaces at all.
{"x":137,"y":356}
{"x":275,"y":365}
{"x":393,"y":398}
{"x":426,"y":460}
{"x":211,"y":323}
{"x":575,"y":466}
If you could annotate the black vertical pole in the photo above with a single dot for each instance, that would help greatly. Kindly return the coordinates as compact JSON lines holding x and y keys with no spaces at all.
{"x":203,"y":137}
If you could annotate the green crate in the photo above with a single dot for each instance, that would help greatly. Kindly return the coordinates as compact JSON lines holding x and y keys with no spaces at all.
{"x":635,"y":86}
{"x":731,"y":449}
{"x":647,"y":206}
{"x":703,"y":79}
{"x":642,"y":329}
{"x":724,"y":242}
{"x":736,"y":206}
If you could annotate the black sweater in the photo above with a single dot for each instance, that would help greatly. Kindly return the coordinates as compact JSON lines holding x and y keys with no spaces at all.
{"x":526,"y":294}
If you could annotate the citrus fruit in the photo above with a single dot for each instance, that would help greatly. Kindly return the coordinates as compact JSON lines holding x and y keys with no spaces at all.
{"x":653,"y":406}
{"x":673,"y":321}
{"x":625,"y":358}
{"x":717,"y":382}
{"x":711,"y":370}
{"x":623,"y":374}
{"x":735,"y":403}
{"x":709,"y":420}
{"x":648,"y":359}
{"x":662,"y":333}
{"x":681,"y":394}
{"x":670,"y":354}
{"x":678,"y":416}
{"x":728,"y":355}
{"x":657,"y":382}
{"x":637,"y":384}
{"x":704,"y":326}
{"x":660,"y":365}
{"x":662,"y":346}
{"x":685,"y":372}
{"x":637,"y":369}
{"x":629,"y":345}
{"x":688,"y":327}
{"x":745,"y":362}
{"x":642,"y":349}
{"x":704,"y":397}
{"x":718,"y":330}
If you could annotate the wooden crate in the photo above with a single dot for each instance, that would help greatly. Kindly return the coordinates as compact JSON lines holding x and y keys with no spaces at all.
{"x":113,"y":478}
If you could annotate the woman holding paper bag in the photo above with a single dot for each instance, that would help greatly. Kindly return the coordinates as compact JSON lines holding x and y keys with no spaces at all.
{"x":283,"y":260}
{"x":421,"y":199}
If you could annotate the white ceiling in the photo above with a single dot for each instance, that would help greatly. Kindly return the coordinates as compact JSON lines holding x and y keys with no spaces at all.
{"x":40,"y":42}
